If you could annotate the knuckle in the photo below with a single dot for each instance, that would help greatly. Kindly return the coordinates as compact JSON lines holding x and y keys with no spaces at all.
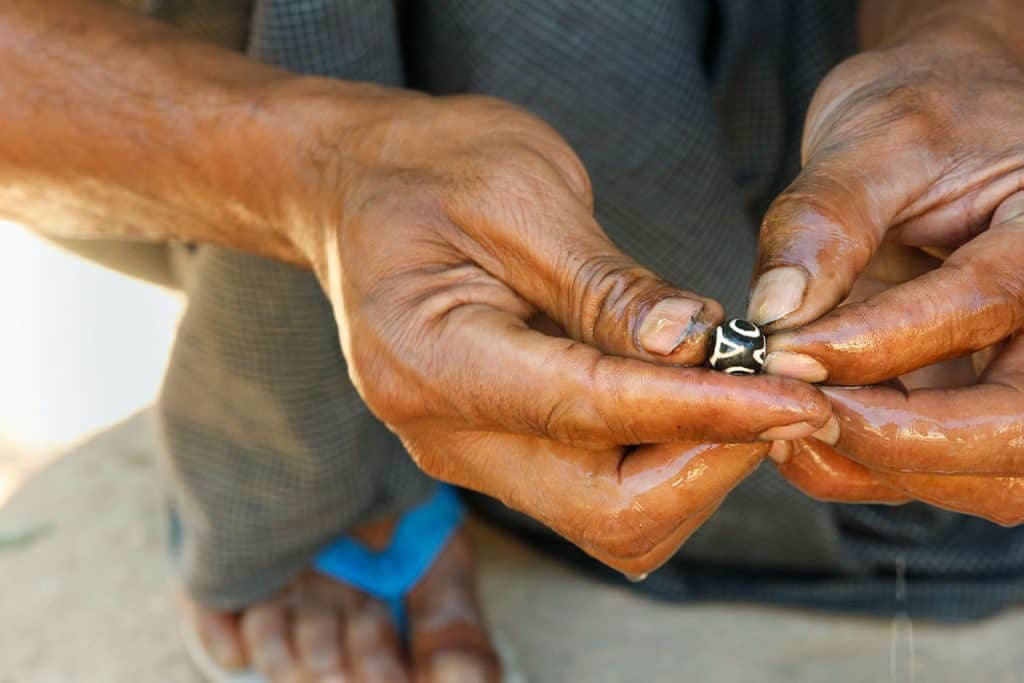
{"x":912,"y":109}
{"x":564,"y":421}
{"x":576,"y":418}
{"x":836,"y":94}
{"x":855,"y":71}
{"x":514,"y":160}
{"x":575,"y":173}
{"x":535,"y":143}
{"x":602,"y":293}
{"x":885,"y":101}
{"x":507,"y":186}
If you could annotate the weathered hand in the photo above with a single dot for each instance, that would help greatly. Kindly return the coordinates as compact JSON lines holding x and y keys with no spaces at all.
{"x":822,"y":471}
{"x":465,"y":221}
{"x":950,"y":434}
{"x":818,"y":469}
{"x":916,"y":144}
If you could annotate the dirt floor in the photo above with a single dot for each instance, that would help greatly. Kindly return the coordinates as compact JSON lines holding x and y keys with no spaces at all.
{"x":86,"y":597}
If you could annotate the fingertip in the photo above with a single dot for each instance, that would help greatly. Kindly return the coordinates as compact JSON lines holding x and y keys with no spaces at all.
{"x":796,"y":430}
{"x":780,"y":452}
{"x":782,"y":408}
{"x":834,"y":349}
{"x":810,"y":253}
{"x":668,"y":324}
{"x":776,"y":294}
{"x":710,"y":318}
{"x":795,"y":366}
{"x":676,"y":328}
{"x":219,"y":634}
{"x":829,"y":434}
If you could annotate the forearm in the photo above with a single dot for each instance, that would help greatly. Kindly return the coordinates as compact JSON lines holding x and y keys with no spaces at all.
{"x":885,"y":21}
{"x":117,"y":126}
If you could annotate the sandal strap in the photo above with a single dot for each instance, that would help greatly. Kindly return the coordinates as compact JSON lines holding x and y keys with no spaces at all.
{"x":390,"y":573}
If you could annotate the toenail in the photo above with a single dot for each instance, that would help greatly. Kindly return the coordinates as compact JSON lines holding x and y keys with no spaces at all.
{"x":323,"y":659}
{"x":457,"y":668}
{"x":272,"y":654}
{"x":223,"y":652}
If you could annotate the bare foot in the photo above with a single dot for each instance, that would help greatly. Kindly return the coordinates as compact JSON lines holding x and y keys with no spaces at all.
{"x":322,"y":631}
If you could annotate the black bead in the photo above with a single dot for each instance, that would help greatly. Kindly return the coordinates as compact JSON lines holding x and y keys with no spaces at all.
{"x":737,"y":347}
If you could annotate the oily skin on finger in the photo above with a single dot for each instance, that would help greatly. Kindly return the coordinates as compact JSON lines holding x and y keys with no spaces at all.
{"x":908,"y":145}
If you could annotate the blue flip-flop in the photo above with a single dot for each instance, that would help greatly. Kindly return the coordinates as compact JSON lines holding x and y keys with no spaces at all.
{"x":387,"y":574}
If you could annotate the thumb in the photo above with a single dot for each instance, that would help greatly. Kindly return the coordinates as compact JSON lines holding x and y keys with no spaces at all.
{"x":821,"y":232}
{"x":568,"y":268}
{"x":610,"y":301}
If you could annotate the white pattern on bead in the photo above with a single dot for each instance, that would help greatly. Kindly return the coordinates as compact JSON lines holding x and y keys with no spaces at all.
{"x":720,"y":343}
{"x":752,"y":332}
{"x":729,"y":348}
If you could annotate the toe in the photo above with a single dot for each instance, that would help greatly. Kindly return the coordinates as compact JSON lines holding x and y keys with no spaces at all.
{"x":456,"y":667}
{"x":448,"y":635}
{"x":265,"y":634}
{"x":318,"y":643}
{"x":218,"y":632}
{"x":372,"y":644}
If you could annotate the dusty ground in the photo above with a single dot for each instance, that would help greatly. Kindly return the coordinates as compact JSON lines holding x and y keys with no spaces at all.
{"x":89,"y":600}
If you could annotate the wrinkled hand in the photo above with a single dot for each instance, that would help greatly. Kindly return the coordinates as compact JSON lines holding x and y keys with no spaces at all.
{"x":916,"y":144}
{"x":817,"y":468}
{"x":463,"y":246}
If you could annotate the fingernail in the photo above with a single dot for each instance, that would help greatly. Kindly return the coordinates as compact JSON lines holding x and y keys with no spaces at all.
{"x":829,"y":433}
{"x":334,"y":678}
{"x":457,"y":668}
{"x":270,"y":656}
{"x":780,"y":451}
{"x":797,"y":430}
{"x":778,"y":293}
{"x":666,"y":325}
{"x":795,"y":365}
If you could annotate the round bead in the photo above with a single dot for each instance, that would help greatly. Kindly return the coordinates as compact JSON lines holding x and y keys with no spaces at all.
{"x":737,"y":347}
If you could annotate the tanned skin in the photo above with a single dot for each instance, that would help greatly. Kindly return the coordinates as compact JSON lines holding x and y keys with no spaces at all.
{"x":447,"y":233}
{"x":442,"y":230}
{"x":492,"y":325}
{"x":916,"y":143}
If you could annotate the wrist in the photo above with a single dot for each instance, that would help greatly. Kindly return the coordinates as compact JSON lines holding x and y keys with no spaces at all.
{"x":303,"y":142}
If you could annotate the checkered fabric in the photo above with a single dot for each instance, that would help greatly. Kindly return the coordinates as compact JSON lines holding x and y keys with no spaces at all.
{"x":688,"y":114}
